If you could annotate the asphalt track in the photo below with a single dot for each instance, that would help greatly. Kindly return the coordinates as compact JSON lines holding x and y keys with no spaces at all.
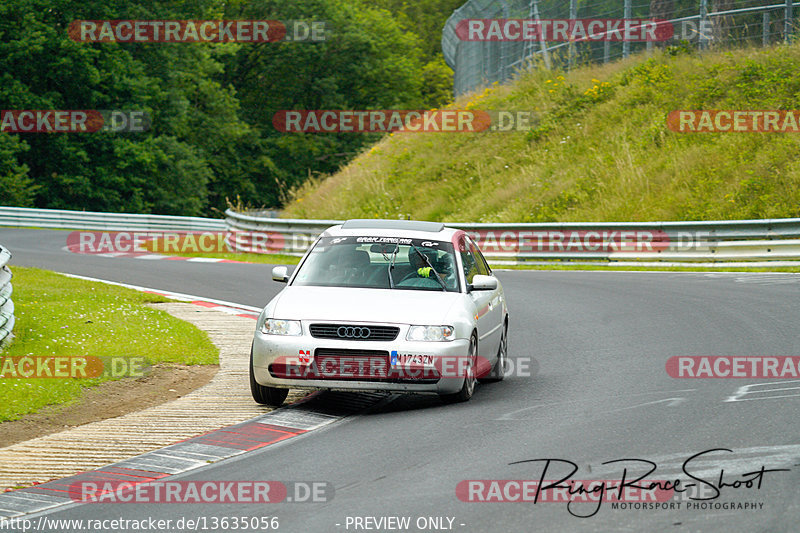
{"x":600,"y":341}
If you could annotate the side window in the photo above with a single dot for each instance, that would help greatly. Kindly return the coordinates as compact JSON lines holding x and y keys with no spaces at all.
{"x":467,"y":260}
{"x":480,"y":261}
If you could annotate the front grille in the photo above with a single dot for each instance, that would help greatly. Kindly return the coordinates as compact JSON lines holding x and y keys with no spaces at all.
{"x":350,"y":365}
{"x":354,"y":332}
{"x":334,"y":352}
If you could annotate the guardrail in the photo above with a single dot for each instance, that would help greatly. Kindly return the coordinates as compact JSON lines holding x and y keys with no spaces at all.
{"x":55,"y":218}
{"x":290,"y":236}
{"x":6,"y":305}
{"x":773,"y":240}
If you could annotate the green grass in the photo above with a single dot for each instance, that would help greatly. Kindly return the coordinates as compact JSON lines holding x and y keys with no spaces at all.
{"x":600,"y":150}
{"x":61,"y":316}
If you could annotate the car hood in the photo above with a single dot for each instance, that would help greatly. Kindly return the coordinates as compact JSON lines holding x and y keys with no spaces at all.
{"x":364,"y":305}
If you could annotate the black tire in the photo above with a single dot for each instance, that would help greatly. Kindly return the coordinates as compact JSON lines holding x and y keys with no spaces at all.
{"x":262,"y":394}
{"x":499,"y":369}
{"x":468,"y":388}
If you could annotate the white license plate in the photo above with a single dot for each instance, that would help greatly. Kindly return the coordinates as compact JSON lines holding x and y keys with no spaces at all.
{"x":404,"y":359}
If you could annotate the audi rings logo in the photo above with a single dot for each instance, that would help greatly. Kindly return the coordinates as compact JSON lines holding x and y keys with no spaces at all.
{"x":350,"y":332}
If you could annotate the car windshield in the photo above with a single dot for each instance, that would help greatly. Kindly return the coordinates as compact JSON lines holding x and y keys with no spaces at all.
{"x":368,"y":262}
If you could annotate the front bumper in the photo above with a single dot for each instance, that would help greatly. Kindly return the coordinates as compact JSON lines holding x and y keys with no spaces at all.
{"x":359,"y":365}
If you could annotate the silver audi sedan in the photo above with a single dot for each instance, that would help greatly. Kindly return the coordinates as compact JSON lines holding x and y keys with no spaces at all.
{"x":383,"y":305}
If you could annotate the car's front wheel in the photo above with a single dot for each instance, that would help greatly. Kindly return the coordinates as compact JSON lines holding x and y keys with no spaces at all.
{"x":263,"y":394}
{"x":468,"y":388}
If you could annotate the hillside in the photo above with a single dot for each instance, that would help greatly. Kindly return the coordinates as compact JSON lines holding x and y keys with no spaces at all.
{"x":600,"y":151}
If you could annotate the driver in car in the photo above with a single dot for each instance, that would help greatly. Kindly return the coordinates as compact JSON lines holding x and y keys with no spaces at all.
{"x":419,"y":265}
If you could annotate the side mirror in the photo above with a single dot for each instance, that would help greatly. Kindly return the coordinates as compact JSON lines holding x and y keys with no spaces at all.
{"x":483,"y":283}
{"x":280,"y":274}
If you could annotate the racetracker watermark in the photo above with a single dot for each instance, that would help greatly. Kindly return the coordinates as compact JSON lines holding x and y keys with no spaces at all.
{"x":73,"y":121}
{"x":197,"y":31}
{"x":727,"y":367}
{"x":599,"y":240}
{"x":71,"y":367}
{"x":397,"y":366}
{"x":203,"y":492}
{"x":562,"y":491}
{"x":569,"y":241}
{"x":126,"y":242}
{"x":734,"y":121}
{"x":565,"y":30}
{"x":144,"y":523}
{"x":402,"y":120}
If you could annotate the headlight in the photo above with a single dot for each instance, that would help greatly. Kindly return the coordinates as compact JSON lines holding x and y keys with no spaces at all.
{"x":431,"y":333}
{"x":273,"y":326}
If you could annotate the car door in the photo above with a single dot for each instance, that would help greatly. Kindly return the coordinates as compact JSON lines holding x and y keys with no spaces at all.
{"x":482,"y":301}
{"x":495,"y":313}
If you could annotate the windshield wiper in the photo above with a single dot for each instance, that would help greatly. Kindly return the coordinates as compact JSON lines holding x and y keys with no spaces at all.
{"x":391,"y":265}
{"x":428,"y":262}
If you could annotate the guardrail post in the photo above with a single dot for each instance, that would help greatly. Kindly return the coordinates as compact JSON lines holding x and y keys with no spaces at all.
{"x":573,"y":14}
{"x":503,"y":46}
{"x":702,"y":41}
{"x":542,"y":42}
{"x":787,"y":23}
{"x":765,"y":28}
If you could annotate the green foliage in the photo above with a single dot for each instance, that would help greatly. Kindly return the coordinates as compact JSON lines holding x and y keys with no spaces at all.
{"x":367,"y":62}
{"x":16,"y":187}
{"x":211,"y":104}
{"x":437,"y":83}
{"x":599,"y":150}
{"x":424,"y":18}
{"x":165,"y":170}
{"x":682,"y":48}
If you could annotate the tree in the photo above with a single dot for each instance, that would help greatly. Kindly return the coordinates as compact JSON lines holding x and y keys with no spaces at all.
{"x":16,"y":187}
{"x":368,"y":62}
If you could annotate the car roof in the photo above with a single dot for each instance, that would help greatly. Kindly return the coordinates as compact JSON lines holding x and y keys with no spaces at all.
{"x":394,"y":228}
{"x":407,"y":225}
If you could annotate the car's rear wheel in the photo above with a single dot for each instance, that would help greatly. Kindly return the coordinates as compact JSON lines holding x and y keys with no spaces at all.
{"x":468,"y":388}
{"x":263,"y":394}
{"x":499,"y":369}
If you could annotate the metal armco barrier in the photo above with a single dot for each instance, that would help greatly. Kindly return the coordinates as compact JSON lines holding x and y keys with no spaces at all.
{"x":711,"y":241}
{"x":287,"y":236}
{"x":771,"y":240}
{"x":54,"y":218}
{"x":6,"y":305}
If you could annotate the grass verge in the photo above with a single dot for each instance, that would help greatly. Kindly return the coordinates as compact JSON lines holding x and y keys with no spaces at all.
{"x":598,"y":150}
{"x":58,"y":316}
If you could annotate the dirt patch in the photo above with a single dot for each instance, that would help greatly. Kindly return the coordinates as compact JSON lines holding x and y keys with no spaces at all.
{"x":164,"y":383}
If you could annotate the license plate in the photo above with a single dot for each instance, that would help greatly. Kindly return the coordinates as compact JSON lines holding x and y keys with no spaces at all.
{"x":405,"y":359}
